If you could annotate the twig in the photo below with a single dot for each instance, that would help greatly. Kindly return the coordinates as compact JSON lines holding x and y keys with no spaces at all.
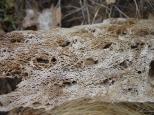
{"x":96,"y":13}
{"x":121,"y":12}
{"x":137,"y":9}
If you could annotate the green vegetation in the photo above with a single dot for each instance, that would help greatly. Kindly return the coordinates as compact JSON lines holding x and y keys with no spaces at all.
{"x":9,"y":15}
{"x":6,"y":14}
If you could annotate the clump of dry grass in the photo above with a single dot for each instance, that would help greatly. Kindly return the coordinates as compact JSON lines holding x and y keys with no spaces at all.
{"x":75,"y":12}
{"x":95,"y":11}
{"x":93,"y":107}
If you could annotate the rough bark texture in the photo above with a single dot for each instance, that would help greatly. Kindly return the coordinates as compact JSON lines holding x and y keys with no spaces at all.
{"x":112,"y":61}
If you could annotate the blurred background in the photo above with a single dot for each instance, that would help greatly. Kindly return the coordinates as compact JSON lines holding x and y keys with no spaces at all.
{"x":47,"y":14}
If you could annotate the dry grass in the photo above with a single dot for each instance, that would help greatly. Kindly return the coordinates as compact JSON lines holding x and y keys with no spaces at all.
{"x":75,"y":12}
{"x":95,"y":11}
{"x":91,"y":107}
